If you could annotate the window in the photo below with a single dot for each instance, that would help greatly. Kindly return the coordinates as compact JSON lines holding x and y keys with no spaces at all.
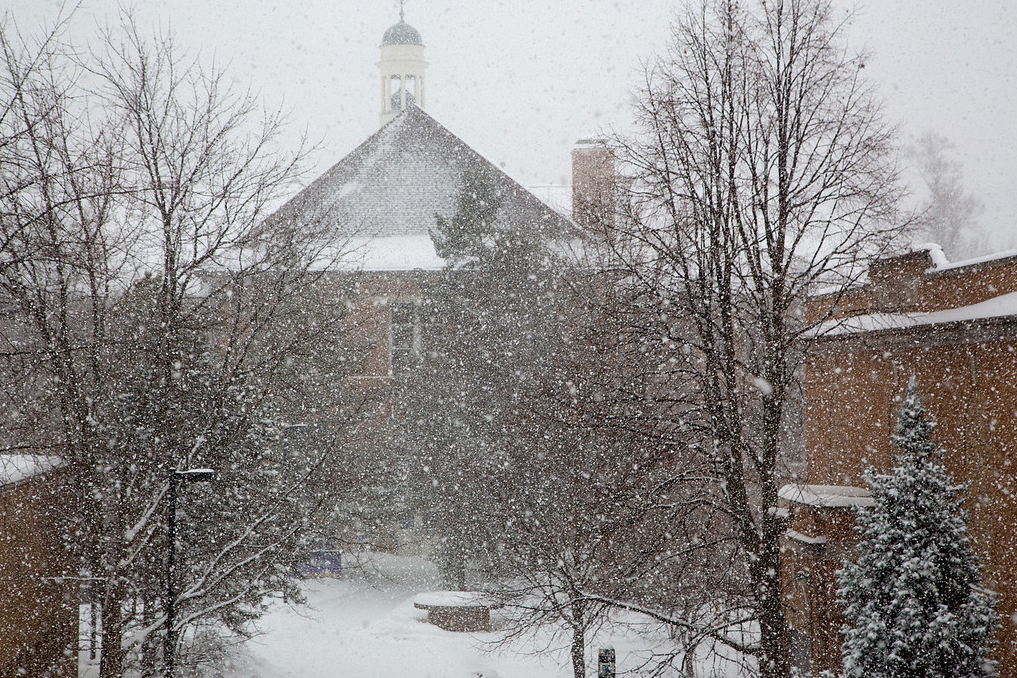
{"x":404,"y":328}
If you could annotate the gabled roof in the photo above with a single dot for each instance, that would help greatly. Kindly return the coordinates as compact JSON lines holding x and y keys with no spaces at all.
{"x":395,"y":184}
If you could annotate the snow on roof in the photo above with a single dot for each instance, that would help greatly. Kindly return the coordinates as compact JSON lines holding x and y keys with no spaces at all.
{"x":828,"y":496}
{"x":453,"y":599}
{"x":556,"y":196}
{"x":804,"y":538}
{"x":1006,"y":254}
{"x":591,"y":142}
{"x":936,"y":254}
{"x":15,"y":468}
{"x":399,"y":181}
{"x":394,"y":253}
{"x":997,"y":307}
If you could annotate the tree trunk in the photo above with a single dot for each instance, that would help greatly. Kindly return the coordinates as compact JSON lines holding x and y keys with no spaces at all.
{"x":111,"y":663}
{"x":578,"y":654}
{"x":459,"y":571}
{"x":454,"y":561}
{"x":150,"y":645}
{"x":578,"y":640}
{"x":93,"y":618}
{"x":774,"y":662}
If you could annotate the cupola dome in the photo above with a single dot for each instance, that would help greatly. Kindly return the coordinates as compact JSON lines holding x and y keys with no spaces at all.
{"x":401,"y":34}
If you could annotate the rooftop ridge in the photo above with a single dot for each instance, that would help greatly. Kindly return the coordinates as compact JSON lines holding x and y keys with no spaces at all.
{"x":405,"y":175}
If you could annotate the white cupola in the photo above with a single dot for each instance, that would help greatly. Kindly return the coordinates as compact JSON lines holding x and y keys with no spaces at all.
{"x":402,"y":69}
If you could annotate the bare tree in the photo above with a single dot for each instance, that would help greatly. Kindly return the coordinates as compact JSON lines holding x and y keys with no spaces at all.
{"x":153,"y":322}
{"x":950,"y":215}
{"x":587,"y":517}
{"x":762,"y":173}
{"x":628,"y":387}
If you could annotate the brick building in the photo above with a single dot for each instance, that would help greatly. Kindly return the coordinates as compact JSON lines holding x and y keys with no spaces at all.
{"x":38,"y":595}
{"x":953,"y":326}
{"x":385,"y":198}
{"x":382,"y":202}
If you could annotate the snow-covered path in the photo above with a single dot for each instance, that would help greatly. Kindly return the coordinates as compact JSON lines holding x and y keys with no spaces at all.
{"x":366,"y":627}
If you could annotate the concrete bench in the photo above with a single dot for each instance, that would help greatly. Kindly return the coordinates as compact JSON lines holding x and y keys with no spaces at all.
{"x":457,"y":610}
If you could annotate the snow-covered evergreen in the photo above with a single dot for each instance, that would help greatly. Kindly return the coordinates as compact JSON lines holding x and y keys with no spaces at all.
{"x":913,"y":599}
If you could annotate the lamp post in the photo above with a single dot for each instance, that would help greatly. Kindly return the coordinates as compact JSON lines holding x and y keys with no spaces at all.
{"x":196,"y":475}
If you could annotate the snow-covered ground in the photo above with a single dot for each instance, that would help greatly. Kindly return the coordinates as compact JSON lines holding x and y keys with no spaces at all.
{"x":365,"y":626}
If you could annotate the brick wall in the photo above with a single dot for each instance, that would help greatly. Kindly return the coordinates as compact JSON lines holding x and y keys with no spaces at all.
{"x":909,"y":282}
{"x":38,"y":601}
{"x":593,"y":185}
{"x":968,"y":375}
{"x":369,"y":319}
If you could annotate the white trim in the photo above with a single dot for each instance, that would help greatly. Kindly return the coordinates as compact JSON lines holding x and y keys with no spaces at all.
{"x":804,"y":538}
{"x":827,"y":496}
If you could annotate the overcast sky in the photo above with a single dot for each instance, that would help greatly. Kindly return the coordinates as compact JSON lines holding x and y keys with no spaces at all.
{"x":521,"y":80}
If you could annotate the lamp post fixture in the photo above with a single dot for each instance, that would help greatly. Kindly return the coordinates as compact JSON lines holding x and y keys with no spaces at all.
{"x":196,"y":475}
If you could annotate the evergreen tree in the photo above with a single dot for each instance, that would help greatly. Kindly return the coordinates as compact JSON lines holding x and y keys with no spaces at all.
{"x":488,"y":332}
{"x":913,"y":597}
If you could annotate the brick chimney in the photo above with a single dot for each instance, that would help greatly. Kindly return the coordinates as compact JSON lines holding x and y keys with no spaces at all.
{"x":593,"y":185}
{"x":898,"y":282}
